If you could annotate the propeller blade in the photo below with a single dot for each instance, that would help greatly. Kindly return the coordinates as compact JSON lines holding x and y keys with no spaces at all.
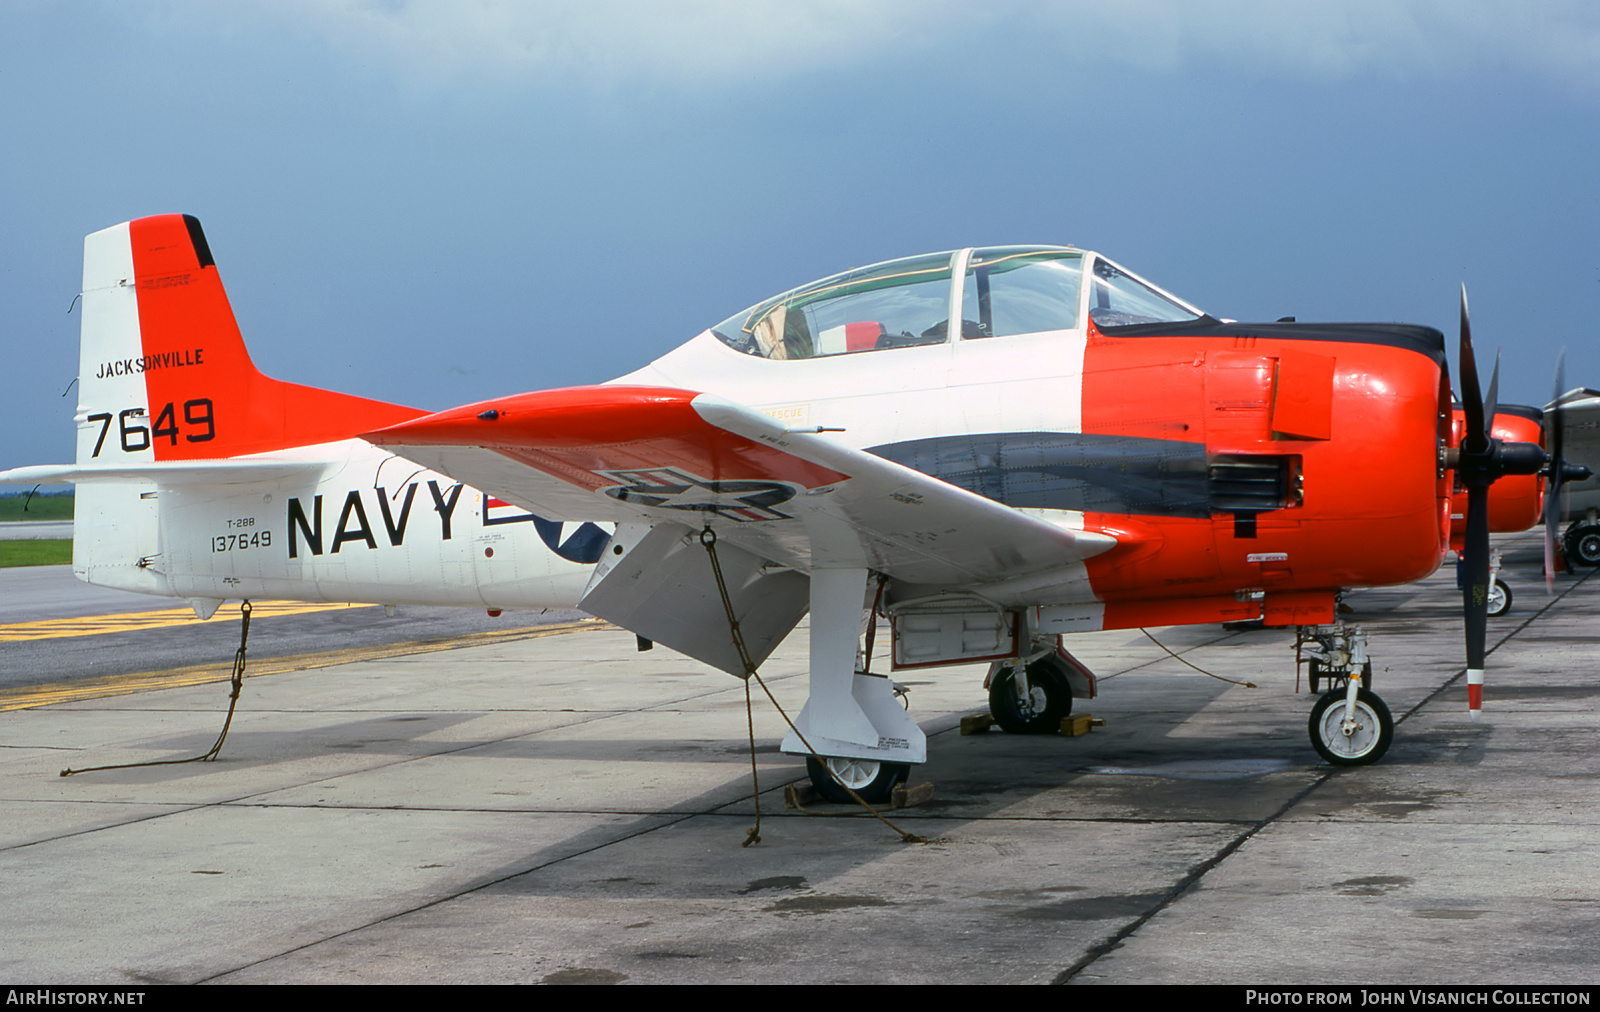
{"x":1552,"y":511}
{"x":1475,"y":590}
{"x":1480,"y":460}
{"x":1559,"y":426}
{"x":1475,"y":549}
{"x":1475,"y":440}
{"x":1492,"y":402}
{"x":1554,"y":426}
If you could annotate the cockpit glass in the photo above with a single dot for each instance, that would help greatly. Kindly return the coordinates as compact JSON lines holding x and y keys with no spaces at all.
{"x":1021,"y":290}
{"x":893,"y":305}
{"x":1119,"y":299}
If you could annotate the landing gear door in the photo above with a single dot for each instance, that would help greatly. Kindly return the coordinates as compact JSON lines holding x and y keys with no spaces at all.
{"x":656,"y":581}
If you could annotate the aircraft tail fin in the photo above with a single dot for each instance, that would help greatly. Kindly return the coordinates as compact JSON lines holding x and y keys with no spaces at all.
{"x":164,"y":380}
{"x":163,"y":371}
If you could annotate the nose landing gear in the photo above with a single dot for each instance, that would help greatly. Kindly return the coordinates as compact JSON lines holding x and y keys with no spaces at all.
{"x":1348,"y":732}
{"x":1349,"y":725}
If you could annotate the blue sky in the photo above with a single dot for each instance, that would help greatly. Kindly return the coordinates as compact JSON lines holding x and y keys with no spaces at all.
{"x":436,"y":203}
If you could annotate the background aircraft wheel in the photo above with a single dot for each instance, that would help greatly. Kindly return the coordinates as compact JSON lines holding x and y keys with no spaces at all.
{"x":1365,"y":744}
{"x":871,"y":779}
{"x":1581,"y":544}
{"x":1049,"y":699}
{"x":1499,"y":598}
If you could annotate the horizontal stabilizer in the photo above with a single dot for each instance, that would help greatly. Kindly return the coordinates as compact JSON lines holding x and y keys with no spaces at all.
{"x":196,"y":472}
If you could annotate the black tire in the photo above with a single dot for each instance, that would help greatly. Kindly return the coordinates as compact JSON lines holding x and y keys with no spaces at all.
{"x":1050,"y":700}
{"x":1499,"y":598}
{"x":871,"y":779}
{"x":1581,"y":544}
{"x":1366,"y":745}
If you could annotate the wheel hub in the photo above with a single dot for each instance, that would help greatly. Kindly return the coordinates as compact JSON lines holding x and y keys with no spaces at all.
{"x":1030,"y":702}
{"x":853,"y":773}
{"x":1353,"y":730}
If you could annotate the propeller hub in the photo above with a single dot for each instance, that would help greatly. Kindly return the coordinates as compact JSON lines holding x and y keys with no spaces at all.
{"x":1500,"y":458}
{"x":1573,"y":472}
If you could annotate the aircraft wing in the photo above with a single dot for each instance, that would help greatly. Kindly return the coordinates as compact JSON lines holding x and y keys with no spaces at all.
{"x":798,"y":498}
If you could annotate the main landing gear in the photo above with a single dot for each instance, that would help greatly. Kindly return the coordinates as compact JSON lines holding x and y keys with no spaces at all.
{"x":1581,"y":543}
{"x":853,"y":720}
{"x":872,"y":779}
{"x":1349,"y":725}
{"x":1027,"y":696}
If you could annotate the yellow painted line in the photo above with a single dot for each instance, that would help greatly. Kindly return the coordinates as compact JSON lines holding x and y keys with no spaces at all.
{"x":99,"y":625}
{"x":200,"y":674}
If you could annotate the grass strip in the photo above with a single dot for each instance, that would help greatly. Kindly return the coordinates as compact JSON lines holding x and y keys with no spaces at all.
{"x":43,"y":552}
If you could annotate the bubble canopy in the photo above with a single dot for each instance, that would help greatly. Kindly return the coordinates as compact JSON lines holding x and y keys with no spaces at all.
{"x":996,"y":291}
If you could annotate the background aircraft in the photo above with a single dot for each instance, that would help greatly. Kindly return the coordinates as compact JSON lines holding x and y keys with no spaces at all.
{"x":1577,"y":412}
{"x":1083,"y":451}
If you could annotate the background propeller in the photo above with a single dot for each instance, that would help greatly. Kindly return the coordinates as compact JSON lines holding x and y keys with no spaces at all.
{"x":1558,"y":472}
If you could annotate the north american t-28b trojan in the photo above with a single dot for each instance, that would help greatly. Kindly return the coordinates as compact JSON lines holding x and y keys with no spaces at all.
{"x":992,"y":447}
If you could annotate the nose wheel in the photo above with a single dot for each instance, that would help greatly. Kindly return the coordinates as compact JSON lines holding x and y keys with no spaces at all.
{"x":1347,"y":735}
{"x":1499,"y":598}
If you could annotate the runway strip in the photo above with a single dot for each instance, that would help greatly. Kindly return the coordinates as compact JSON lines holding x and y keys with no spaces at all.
{"x":96,"y":625}
{"x":199,"y":674}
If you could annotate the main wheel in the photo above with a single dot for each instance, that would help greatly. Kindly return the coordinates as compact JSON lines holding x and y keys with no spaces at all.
{"x":871,"y":779}
{"x":1049,"y":699}
{"x":1355,"y":742}
{"x":1581,"y":544}
{"x":1499,"y":598}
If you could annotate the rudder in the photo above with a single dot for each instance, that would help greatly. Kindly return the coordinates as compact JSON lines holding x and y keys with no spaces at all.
{"x":163,"y":370}
{"x":164,"y":376}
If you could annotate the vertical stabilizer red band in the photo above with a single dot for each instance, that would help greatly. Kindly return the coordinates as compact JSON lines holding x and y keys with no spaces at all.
{"x":206,"y":397}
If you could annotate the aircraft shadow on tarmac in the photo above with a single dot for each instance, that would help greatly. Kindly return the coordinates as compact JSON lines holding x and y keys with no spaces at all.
{"x":1178,"y":748}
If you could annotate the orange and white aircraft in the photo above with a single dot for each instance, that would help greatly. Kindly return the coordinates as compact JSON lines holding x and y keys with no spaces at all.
{"x":1084,"y":451}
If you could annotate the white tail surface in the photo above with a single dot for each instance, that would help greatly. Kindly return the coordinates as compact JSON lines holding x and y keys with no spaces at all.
{"x":165,"y":380}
